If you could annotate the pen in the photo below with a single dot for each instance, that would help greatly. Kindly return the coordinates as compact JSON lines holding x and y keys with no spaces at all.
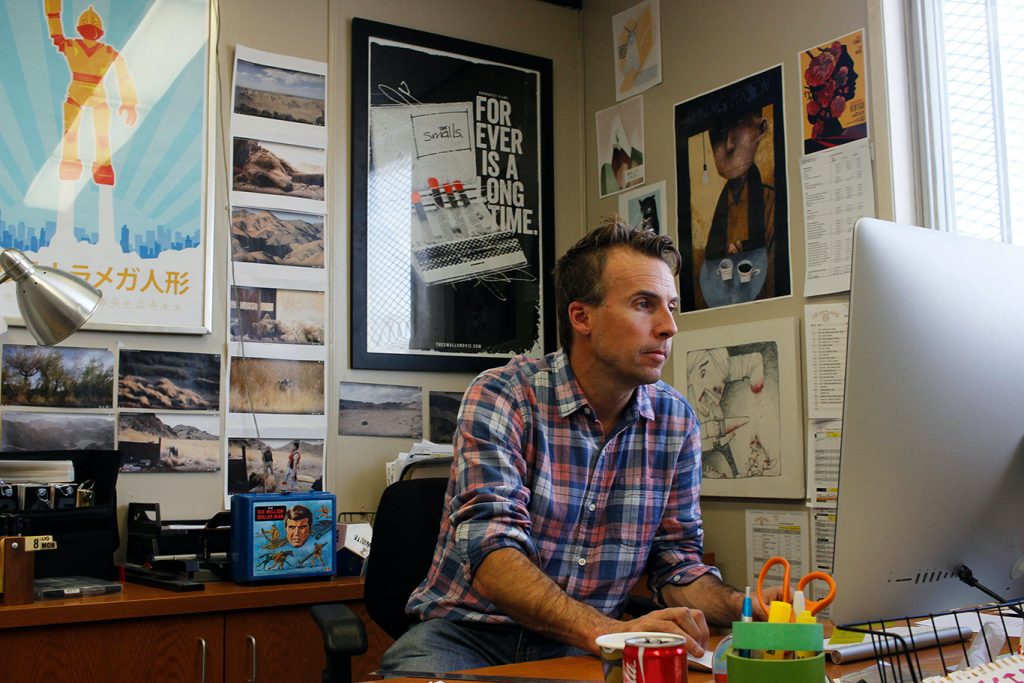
{"x":746,"y":615}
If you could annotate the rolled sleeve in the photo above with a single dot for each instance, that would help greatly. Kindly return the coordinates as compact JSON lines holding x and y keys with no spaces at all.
{"x":490,"y":508}
{"x":677,"y":552}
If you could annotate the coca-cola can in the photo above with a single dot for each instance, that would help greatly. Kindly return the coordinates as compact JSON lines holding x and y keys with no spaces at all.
{"x":654,"y":659}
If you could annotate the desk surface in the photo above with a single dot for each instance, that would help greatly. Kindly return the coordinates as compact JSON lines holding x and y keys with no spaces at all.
{"x":137,"y":601}
{"x":589,"y":669}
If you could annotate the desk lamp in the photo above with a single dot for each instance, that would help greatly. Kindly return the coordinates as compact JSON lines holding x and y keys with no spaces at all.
{"x":53,"y":303}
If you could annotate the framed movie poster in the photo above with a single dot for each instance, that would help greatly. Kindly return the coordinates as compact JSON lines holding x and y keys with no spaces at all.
{"x":105,"y":129}
{"x":452,"y":202}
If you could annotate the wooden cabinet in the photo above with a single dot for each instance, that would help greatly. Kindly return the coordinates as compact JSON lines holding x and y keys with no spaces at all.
{"x":143,"y":650}
{"x":225,"y":633}
{"x":275,"y":645}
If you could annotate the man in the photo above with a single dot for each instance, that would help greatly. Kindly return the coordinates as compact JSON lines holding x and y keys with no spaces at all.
{"x":297,"y":523}
{"x":574,"y":475}
{"x":291,"y":477}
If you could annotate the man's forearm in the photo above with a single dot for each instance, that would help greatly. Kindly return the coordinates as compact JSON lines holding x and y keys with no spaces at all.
{"x":522,"y":591}
{"x":720,"y":602}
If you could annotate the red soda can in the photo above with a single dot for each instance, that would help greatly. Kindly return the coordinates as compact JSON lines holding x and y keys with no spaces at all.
{"x":654,"y":659}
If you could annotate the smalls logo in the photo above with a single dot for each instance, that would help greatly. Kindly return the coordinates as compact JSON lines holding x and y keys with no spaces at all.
{"x":449,"y":132}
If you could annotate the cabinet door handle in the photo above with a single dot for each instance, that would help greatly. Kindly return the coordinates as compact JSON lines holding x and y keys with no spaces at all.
{"x":202,"y":660}
{"x":252,"y":642}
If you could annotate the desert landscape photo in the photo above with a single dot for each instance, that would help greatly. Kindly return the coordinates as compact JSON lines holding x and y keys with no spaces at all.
{"x":283,"y":238}
{"x":267,"y":385}
{"x":277,"y":93}
{"x":380,"y":410}
{"x":151,"y":442}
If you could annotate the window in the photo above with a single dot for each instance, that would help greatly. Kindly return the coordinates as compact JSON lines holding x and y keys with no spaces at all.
{"x":970,"y":57}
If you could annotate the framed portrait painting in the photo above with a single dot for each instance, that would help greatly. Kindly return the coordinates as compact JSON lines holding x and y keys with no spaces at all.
{"x":731,"y":194}
{"x":452,"y":202}
{"x":103,"y":168}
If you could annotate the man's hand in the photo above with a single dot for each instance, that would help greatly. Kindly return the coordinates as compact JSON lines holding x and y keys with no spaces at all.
{"x":770,"y":595}
{"x":681,"y":621}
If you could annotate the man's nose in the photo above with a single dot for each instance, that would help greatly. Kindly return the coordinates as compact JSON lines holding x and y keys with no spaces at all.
{"x":667,"y":327}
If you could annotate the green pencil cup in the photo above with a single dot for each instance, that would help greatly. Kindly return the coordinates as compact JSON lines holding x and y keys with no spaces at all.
{"x":760,"y":636}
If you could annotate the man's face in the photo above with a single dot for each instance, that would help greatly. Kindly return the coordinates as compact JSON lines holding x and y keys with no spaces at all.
{"x":734,"y":153}
{"x":631,"y":330}
{"x":297,"y":531}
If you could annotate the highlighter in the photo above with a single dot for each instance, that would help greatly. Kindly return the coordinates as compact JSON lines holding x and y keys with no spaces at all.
{"x":778,"y":613}
{"x":805,"y":617}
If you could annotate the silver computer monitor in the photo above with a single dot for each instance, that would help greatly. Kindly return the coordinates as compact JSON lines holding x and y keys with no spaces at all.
{"x":931,"y":470}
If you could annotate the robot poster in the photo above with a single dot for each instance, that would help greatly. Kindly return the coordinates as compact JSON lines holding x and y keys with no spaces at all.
{"x":103,"y":138}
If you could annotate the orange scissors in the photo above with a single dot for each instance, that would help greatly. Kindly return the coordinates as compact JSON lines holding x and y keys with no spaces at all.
{"x":814,"y":606}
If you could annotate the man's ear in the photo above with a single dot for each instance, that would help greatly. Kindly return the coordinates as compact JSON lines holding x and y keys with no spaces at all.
{"x":579,"y":316}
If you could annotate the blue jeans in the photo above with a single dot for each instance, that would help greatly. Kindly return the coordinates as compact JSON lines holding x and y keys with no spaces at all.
{"x":438,"y":646}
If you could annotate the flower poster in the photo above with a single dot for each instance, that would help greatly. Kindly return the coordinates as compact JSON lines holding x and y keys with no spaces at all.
{"x":834,"y":93}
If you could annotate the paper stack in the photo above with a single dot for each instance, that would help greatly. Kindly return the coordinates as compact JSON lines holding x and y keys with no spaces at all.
{"x":43,"y":471}
{"x":438,"y":454}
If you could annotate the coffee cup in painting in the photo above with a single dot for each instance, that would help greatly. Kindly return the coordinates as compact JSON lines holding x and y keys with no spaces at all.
{"x":725,"y":269}
{"x":746,"y":270}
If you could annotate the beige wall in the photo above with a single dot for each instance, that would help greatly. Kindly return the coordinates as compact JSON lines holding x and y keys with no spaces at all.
{"x":321,"y":30}
{"x":705,"y":45}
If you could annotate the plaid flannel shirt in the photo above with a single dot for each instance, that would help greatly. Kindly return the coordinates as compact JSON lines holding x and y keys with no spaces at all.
{"x":534,"y":472}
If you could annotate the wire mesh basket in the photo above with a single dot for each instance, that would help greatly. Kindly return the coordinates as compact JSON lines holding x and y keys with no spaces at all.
{"x":969,"y":637}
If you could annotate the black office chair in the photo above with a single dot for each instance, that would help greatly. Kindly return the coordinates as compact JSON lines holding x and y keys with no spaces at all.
{"x":405,"y":533}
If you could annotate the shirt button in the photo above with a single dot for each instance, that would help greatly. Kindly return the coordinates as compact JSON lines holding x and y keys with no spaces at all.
{"x":676,"y":579}
{"x":582,"y":561}
{"x":591,"y":507}
{"x":586,"y":411}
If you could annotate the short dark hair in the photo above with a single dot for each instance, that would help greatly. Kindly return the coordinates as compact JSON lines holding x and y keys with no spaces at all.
{"x":297,"y":513}
{"x":578,"y":273}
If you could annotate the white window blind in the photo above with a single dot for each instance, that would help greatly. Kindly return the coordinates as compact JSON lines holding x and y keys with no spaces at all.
{"x":970,"y":59}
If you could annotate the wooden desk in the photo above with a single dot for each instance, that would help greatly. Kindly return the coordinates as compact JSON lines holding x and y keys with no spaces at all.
{"x":149,"y":634}
{"x":589,"y":669}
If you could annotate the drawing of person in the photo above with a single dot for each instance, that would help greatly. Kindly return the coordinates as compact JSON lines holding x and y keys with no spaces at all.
{"x":708,"y":373}
{"x":744,"y":217}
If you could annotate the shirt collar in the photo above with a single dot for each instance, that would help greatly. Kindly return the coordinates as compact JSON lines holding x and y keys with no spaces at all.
{"x":570,"y":396}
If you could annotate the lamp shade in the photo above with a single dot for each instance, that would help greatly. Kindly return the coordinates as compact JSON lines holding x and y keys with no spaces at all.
{"x":53,"y":303}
